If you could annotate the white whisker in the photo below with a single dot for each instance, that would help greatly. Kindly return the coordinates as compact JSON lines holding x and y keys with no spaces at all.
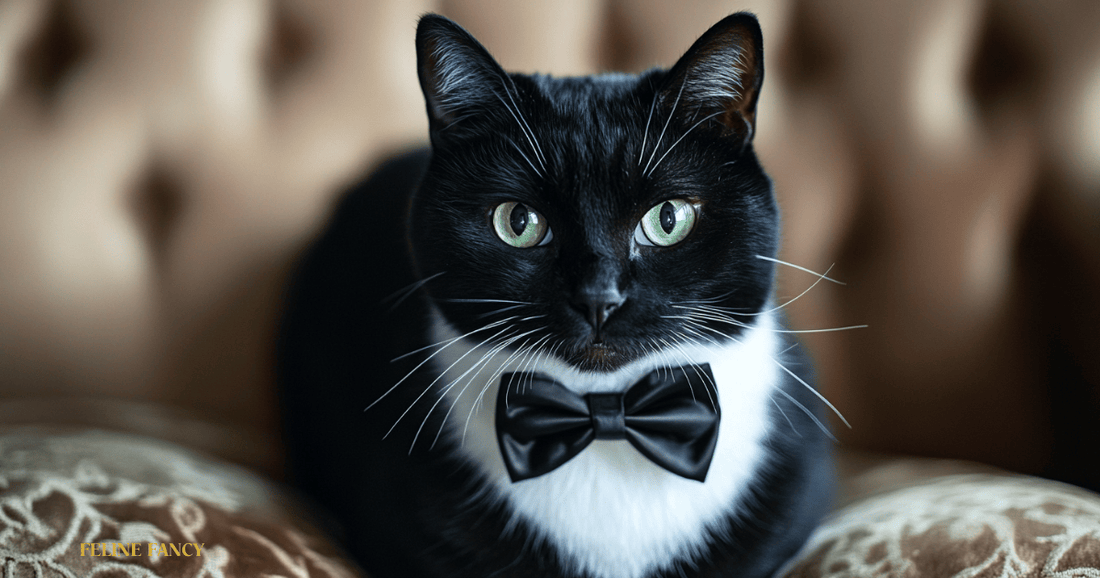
{"x":666,"y":356}
{"x":661,"y":137}
{"x":722,"y":318}
{"x":406,"y":292}
{"x":658,"y":163}
{"x":699,"y":372}
{"x":445,"y":300}
{"x":697,"y":315}
{"x":825,"y":330}
{"x":486,"y":359}
{"x":430,"y":385}
{"x":707,"y":328}
{"x":526,"y":363}
{"x":645,"y":133}
{"x":521,"y":127}
{"x":807,"y":290}
{"x":534,"y":141}
{"x":781,"y":262}
{"x":499,"y":311}
{"x":815,"y":392}
{"x":500,"y":370}
{"x":525,"y":351}
{"x":666,"y":365}
{"x":709,"y":300}
{"x":809,"y":413}
{"x":716,"y":309}
{"x":523,"y":154}
{"x":785,"y":416}
{"x":445,"y":344}
{"x":701,"y":335}
{"x":671,"y":346}
{"x":479,"y":365}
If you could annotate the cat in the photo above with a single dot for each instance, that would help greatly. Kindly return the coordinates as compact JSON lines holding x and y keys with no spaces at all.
{"x":563,"y":241}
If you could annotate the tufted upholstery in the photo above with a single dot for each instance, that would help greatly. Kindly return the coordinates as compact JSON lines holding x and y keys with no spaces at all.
{"x":163,"y":163}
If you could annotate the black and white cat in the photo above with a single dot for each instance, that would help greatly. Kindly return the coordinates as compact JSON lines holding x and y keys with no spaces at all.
{"x":574,"y":239}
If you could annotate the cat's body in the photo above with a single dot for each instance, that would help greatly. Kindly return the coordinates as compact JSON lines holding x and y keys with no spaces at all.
{"x":594,"y":301}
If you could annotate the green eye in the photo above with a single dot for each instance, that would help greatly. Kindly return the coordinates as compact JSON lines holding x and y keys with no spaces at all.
{"x":520,"y":226}
{"x":666,"y":223}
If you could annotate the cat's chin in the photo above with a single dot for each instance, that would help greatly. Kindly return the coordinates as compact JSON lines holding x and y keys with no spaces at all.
{"x":599,"y":357}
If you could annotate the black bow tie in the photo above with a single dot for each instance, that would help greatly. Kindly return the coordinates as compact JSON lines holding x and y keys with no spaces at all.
{"x":670,"y":416}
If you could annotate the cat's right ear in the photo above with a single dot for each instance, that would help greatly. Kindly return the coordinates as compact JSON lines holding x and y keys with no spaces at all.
{"x":459,"y":78}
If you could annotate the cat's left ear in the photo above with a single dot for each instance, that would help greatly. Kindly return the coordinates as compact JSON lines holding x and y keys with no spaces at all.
{"x":720,"y":76}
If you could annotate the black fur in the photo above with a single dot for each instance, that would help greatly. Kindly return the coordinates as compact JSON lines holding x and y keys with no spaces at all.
{"x":572,"y":149}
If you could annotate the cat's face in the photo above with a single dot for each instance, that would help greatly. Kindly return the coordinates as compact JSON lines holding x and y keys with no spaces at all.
{"x":598,"y":219}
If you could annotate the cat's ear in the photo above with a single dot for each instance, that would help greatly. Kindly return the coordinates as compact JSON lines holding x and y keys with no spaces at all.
{"x":720,"y":77}
{"x":458,"y":76}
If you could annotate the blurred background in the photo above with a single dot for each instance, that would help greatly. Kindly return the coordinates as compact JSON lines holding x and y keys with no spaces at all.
{"x":163,"y":164}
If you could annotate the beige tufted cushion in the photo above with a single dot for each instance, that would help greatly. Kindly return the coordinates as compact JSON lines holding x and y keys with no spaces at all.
{"x":161,"y":163}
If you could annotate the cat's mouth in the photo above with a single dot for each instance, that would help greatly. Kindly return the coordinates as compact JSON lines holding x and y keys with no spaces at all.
{"x":598,"y":356}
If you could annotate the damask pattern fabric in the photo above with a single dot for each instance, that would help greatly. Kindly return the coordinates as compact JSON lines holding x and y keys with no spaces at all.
{"x":59,"y":490}
{"x":62,"y":493}
{"x":966,"y":526}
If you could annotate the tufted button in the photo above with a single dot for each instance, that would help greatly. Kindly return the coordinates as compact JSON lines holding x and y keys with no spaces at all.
{"x":55,"y":50}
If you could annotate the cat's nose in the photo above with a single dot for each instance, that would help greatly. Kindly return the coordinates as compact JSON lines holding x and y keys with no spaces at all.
{"x":598,"y":305}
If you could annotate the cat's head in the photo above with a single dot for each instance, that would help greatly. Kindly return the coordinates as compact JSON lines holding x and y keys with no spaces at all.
{"x":602,"y":218}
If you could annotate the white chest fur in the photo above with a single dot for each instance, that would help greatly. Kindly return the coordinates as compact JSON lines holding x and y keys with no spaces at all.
{"x":610,"y":510}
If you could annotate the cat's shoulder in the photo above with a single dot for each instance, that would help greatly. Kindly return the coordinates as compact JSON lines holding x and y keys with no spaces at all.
{"x":385,"y":186}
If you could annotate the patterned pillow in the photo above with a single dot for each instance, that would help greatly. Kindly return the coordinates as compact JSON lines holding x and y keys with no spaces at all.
{"x":77,"y":503}
{"x":973,"y":525}
{"x":96,"y":504}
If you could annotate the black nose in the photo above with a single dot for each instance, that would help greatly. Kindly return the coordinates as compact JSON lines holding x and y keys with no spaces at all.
{"x":597,"y":306}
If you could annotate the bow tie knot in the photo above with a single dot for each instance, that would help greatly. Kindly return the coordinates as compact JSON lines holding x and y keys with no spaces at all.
{"x":608,"y":415}
{"x":669,"y":416}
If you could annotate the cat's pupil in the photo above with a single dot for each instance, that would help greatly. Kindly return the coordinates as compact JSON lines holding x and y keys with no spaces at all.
{"x":518,"y":219}
{"x":668,"y":217}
